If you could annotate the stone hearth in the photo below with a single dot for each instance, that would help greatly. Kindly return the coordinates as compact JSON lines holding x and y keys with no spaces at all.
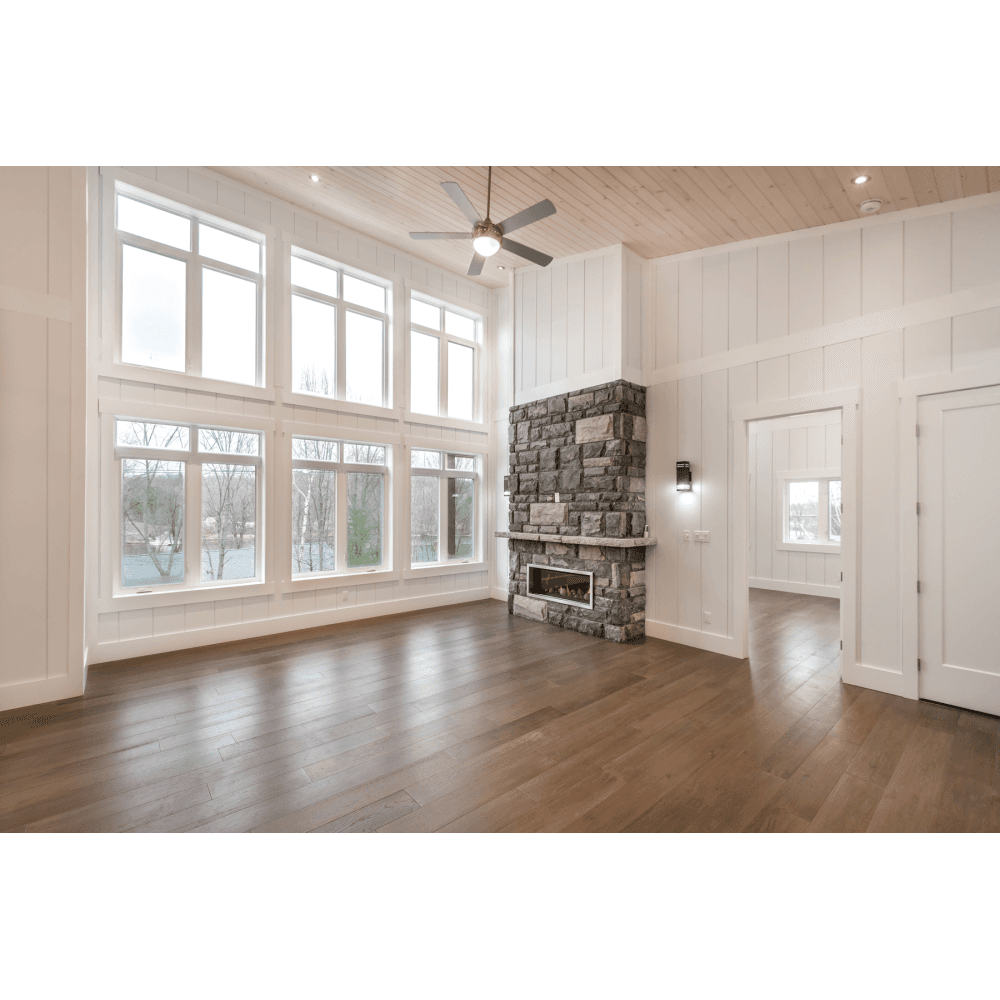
{"x":577,"y":501}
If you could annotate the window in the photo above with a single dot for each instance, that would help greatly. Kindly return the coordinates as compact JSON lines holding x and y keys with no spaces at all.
{"x":191,"y":292}
{"x":190,"y":498}
{"x":339,"y":332}
{"x":811,"y":512}
{"x":444,"y":345}
{"x":442,"y":507}
{"x":338,"y":506}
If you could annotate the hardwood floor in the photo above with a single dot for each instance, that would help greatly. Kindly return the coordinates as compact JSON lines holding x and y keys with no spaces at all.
{"x":464,"y":718}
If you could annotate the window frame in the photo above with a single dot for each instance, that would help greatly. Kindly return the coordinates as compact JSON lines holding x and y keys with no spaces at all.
{"x":193,"y":459}
{"x":823,"y":477}
{"x":444,"y":474}
{"x":195,"y":262}
{"x":444,"y":339}
{"x":340,"y":544}
{"x":342,"y":306}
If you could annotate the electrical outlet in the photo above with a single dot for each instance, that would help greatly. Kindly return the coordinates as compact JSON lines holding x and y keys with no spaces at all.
{"x":707,"y":617}
{"x":701,"y":536}
{"x":344,"y":595}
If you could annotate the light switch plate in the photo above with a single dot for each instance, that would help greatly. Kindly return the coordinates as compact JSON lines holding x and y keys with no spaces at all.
{"x":706,"y":617}
{"x":701,"y":536}
{"x":687,"y":535}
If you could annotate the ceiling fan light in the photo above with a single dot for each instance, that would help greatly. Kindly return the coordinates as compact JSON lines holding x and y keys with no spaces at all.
{"x":486,"y":245}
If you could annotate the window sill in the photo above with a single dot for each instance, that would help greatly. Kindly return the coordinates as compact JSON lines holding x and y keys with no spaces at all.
{"x":164,"y":597}
{"x":808,"y":547}
{"x":480,"y":427}
{"x":181,"y":380}
{"x":342,"y":405}
{"x":442,"y":569}
{"x":332,"y":581}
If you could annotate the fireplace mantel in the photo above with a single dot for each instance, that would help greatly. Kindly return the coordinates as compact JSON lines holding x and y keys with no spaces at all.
{"x":618,"y":543}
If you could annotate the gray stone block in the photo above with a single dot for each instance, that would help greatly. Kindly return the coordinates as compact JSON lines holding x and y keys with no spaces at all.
{"x":528,"y":607}
{"x":601,"y":428}
{"x":548,"y":513}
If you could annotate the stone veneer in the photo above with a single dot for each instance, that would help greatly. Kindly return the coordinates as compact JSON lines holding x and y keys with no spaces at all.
{"x":590,"y":448}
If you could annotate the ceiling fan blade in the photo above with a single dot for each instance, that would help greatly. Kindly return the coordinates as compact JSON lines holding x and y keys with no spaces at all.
{"x":476,"y":267}
{"x":440,"y":236}
{"x":535,"y":256}
{"x":457,"y":195}
{"x":540,"y":211}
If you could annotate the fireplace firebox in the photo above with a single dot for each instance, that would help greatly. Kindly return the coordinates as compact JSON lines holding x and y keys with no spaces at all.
{"x":562,"y":585}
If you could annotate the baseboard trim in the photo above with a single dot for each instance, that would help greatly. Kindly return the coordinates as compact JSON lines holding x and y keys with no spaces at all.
{"x":790,"y":587}
{"x":692,"y":637}
{"x":22,"y":694}
{"x":499,"y":595}
{"x":150,"y":645}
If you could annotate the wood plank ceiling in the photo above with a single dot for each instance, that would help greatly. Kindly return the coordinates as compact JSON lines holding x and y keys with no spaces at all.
{"x":654,"y":211}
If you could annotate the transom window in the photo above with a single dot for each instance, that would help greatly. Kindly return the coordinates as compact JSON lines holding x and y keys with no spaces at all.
{"x":340,"y":322}
{"x":443,"y":497}
{"x":444,"y":363}
{"x":811,"y":512}
{"x":190,"y":292}
{"x":338,"y":505}
{"x":190,"y":497}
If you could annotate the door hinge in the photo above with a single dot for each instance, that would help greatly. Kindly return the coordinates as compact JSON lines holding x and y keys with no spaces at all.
{"x":918,"y":506}
{"x":841,"y":643}
{"x":918,"y":430}
{"x":841,"y":577}
{"x":918,"y":586}
{"x":919,"y":665}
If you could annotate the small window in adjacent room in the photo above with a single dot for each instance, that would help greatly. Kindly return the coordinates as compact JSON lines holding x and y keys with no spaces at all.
{"x":812,"y":510}
{"x":443,"y":498}
{"x":190,"y":291}
{"x":339,"y":491}
{"x":444,"y":359}
{"x":340,"y":331}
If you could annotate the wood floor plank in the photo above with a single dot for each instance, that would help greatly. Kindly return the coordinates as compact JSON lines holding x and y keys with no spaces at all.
{"x":466,"y":718}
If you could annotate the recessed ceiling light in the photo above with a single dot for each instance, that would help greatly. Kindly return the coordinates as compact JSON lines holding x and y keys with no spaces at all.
{"x":500,"y":267}
{"x":314,"y":178}
{"x":862,"y":179}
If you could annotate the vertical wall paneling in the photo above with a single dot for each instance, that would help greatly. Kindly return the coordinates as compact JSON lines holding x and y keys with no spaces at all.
{"x":975,"y":339}
{"x":772,"y":291}
{"x":715,"y":306}
{"x":742,"y":298}
{"x":543,"y":326}
{"x":593,"y":314}
{"x":975,"y":248}
{"x":662,"y":415}
{"x":805,"y":372}
{"x":841,"y":276}
{"x":927,"y":253}
{"x":927,"y":348}
{"x":665,"y":281}
{"x":742,"y":392}
{"x":689,"y":309}
{"x":715,"y":500}
{"x":772,"y":378}
{"x":689,"y":416}
{"x":575,"y":311}
{"x":559,"y":306}
{"x":528,"y":328}
{"x":882,"y":267}
{"x":805,"y":284}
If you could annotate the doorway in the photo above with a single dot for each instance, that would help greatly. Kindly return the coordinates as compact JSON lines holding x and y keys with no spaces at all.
{"x":958,"y":524}
{"x":794,"y":515}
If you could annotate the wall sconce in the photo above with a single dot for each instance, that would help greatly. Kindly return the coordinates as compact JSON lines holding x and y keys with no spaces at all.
{"x":683,"y":476}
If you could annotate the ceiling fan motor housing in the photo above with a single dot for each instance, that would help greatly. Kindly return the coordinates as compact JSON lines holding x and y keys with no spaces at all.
{"x":486,"y":231}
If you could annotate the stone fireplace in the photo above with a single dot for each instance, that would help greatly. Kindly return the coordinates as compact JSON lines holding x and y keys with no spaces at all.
{"x":578,"y":511}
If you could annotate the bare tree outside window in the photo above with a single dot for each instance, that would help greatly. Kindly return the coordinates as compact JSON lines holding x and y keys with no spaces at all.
{"x":425,"y":493}
{"x":364,"y":519}
{"x":228,"y":511}
{"x":152,"y":522}
{"x":460,"y":519}
{"x":314,"y":514}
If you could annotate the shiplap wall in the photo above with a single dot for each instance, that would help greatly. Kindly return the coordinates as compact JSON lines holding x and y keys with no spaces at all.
{"x":501,"y":362}
{"x":809,"y":441}
{"x":856,"y":304}
{"x":578,"y":322}
{"x":136,"y":631}
{"x":42,"y":413}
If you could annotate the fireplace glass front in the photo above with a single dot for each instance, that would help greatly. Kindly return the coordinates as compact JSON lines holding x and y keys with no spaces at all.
{"x":563,"y":585}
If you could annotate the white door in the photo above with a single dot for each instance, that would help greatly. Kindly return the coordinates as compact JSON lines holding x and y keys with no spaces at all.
{"x":959,"y":556}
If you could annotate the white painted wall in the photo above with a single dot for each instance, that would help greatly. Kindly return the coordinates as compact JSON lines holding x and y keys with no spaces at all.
{"x":866,"y":304}
{"x":42,"y":413}
{"x":119,"y":627}
{"x":788,"y":444}
{"x":578,"y":322}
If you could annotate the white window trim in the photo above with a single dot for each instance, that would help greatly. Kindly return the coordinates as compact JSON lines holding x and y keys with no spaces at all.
{"x":369,"y":574}
{"x":782,"y":478}
{"x":342,"y":306}
{"x":447,"y":564}
{"x":111,"y":364}
{"x":478,"y":395}
{"x":192,"y":591}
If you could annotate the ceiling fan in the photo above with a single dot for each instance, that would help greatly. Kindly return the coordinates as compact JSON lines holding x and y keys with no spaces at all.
{"x":488,"y":237}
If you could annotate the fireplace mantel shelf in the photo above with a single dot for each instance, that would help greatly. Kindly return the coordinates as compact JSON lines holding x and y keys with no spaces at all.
{"x":621,"y":543}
